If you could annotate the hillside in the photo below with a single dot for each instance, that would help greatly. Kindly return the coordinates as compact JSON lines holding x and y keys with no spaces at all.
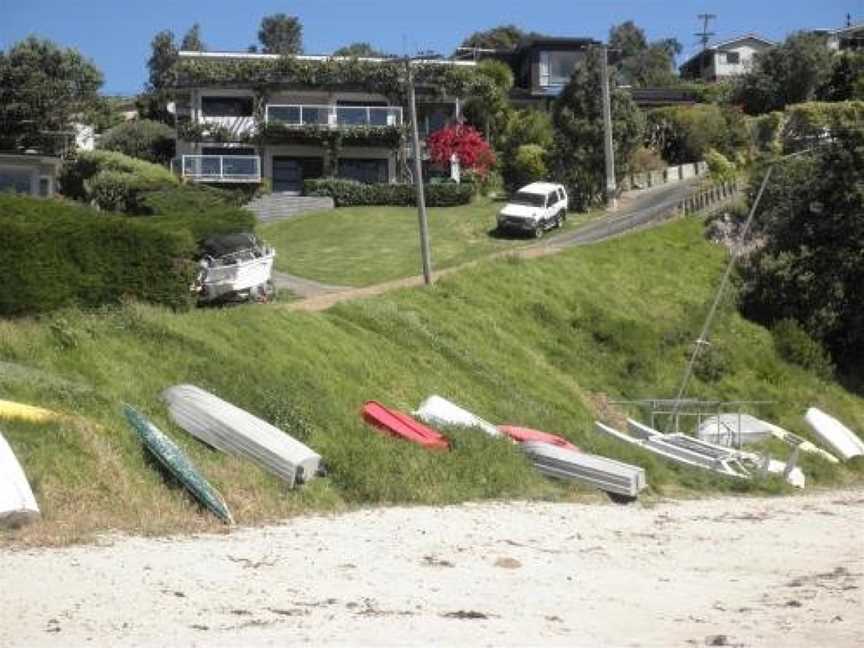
{"x":543,"y":343}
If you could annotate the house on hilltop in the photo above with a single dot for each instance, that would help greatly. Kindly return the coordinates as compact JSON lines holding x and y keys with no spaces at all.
{"x":248,"y":117}
{"x":725,"y":59}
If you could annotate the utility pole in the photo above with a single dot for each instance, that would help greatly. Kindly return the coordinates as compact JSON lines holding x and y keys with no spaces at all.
{"x":425,"y":252}
{"x":608,"y":149}
{"x":704,"y":37}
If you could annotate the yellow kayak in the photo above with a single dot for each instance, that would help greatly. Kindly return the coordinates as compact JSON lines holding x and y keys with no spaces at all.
{"x":10,"y":410}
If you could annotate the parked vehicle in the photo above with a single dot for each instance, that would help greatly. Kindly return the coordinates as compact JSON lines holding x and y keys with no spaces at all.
{"x":234,"y":268}
{"x":535,"y":208}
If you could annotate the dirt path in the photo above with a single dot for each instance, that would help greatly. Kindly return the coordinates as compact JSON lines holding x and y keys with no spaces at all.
{"x":637,"y":210}
{"x":736,"y":572}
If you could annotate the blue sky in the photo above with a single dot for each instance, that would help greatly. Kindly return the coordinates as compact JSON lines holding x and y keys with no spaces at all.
{"x":116,"y":34}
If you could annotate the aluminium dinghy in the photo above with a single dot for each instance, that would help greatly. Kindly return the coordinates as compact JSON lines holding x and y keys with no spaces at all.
{"x":178,"y":464}
{"x":832,"y":432}
{"x":230,"y":429}
{"x":17,"y":504}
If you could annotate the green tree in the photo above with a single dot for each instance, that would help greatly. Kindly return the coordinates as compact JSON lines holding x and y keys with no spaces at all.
{"x":153,"y":102}
{"x":787,"y":74}
{"x":528,"y":165}
{"x":490,"y":112}
{"x":281,"y":34}
{"x":810,"y":267}
{"x":360,"y":50}
{"x":143,"y":139}
{"x":42,"y":88}
{"x":846,"y":80}
{"x":577,"y":157}
{"x":683,"y":134}
{"x":502,"y":37}
{"x":640,"y":63}
{"x":192,"y":40}
{"x":524,"y":128}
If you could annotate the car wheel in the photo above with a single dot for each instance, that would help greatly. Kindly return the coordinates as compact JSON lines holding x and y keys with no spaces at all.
{"x":559,"y":220}
{"x":563,"y":215}
{"x":539,"y":231}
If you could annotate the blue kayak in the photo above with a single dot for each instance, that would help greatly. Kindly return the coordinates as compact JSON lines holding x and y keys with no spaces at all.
{"x":175,"y":460}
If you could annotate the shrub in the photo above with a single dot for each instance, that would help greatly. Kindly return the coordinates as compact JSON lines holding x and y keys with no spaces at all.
{"x":683,"y":134}
{"x":143,"y":139}
{"x":346,"y":193}
{"x":644,"y":159}
{"x":721,"y":169}
{"x":57,"y":255}
{"x":191,"y":199}
{"x":113,"y":181}
{"x":529,"y":165}
{"x":794,"y":344}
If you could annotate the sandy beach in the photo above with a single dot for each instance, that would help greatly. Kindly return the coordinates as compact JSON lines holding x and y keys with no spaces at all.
{"x":725,"y":571}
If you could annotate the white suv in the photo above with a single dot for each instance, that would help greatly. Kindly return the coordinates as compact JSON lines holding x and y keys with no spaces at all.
{"x":535,"y":208}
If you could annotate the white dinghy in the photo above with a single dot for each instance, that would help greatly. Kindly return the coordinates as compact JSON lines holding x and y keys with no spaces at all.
{"x":436,"y":410}
{"x":235,"y":431}
{"x":841,"y":439}
{"x":17,"y":504}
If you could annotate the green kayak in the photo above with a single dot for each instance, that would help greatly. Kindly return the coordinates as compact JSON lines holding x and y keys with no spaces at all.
{"x":175,"y":460}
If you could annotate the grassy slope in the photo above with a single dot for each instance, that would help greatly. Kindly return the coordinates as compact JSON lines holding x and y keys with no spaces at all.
{"x":540,"y":343}
{"x":359,"y":246}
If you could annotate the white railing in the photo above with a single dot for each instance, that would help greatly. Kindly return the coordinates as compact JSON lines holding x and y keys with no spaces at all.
{"x":221,"y":168}
{"x":333,"y":116}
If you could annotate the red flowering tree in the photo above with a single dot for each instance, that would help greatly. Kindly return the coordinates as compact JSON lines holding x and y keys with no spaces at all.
{"x":466,"y":143}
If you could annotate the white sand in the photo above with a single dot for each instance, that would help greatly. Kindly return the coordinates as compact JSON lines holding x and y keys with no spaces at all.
{"x":747,"y":572}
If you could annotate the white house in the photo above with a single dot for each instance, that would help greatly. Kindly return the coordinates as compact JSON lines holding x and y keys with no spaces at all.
{"x":725,"y":59}
{"x":29,"y":173}
{"x":845,"y":38}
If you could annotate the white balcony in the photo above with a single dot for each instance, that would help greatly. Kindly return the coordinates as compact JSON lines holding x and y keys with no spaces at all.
{"x":221,"y":168}
{"x":332,"y":116}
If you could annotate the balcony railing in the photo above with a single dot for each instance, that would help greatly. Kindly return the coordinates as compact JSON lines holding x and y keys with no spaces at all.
{"x":221,"y":168}
{"x":333,"y":116}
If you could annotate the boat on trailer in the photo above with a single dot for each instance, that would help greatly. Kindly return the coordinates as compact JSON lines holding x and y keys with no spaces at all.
{"x":234,"y":268}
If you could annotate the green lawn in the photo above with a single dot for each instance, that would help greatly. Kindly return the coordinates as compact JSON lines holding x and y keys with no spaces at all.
{"x":359,"y":246}
{"x":544,"y":343}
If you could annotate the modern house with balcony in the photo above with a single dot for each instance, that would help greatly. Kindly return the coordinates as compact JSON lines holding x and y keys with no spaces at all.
{"x":263,"y":117}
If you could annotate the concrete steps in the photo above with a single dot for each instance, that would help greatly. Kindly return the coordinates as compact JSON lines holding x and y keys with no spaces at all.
{"x":281,"y":206}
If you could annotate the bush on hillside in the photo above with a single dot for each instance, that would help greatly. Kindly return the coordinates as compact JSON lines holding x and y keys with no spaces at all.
{"x":720,"y":168}
{"x":113,"y":181}
{"x":528,"y":165}
{"x":644,"y":160}
{"x":143,"y":139}
{"x":794,"y":344}
{"x":57,"y":255}
{"x":683,"y":134}
{"x":347,"y":193}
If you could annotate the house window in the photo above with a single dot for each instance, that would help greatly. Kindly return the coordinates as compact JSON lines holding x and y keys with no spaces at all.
{"x":15,"y":180}
{"x":363,"y":170}
{"x":733,"y":58}
{"x":556,"y":68}
{"x":226,"y":106}
{"x":44,"y":186}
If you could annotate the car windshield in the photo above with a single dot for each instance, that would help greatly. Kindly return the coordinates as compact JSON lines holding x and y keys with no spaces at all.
{"x":530,"y":199}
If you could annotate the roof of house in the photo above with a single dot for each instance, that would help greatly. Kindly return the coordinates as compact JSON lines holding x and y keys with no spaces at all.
{"x":256,"y":56}
{"x":717,"y":45}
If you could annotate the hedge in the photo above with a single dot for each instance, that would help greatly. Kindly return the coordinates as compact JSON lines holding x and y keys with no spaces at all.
{"x":56,"y":254}
{"x":113,"y":181}
{"x":347,"y":193}
{"x":142,"y":139}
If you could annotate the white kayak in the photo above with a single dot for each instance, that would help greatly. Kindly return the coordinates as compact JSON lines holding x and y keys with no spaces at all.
{"x":436,"y":410}
{"x":17,"y":504}
{"x":230,"y":429}
{"x":841,"y":439}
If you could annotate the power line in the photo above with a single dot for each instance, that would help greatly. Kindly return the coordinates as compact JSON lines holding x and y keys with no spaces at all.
{"x":705,"y":35}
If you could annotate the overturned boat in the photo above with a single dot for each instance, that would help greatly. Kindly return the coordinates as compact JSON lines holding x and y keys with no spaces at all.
{"x":402,"y":426}
{"x":235,"y":431}
{"x":688,"y":451}
{"x":234,"y":268}
{"x":590,"y":470}
{"x":17,"y":504}
{"x":177,"y":463}
{"x":523,"y":434}
{"x":839,"y":437}
{"x":437,"y":410}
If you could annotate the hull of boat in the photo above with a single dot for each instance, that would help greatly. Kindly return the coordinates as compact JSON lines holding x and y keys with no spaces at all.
{"x":235,"y":431}
{"x":22,"y":412}
{"x":402,"y":426}
{"x":834,"y":434}
{"x":523,"y":434}
{"x":178,"y":464}
{"x":436,"y":410}
{"x":17,"y":504}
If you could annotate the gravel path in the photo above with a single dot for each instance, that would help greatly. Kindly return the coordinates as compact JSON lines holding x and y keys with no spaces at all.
{"x":726,"y":571}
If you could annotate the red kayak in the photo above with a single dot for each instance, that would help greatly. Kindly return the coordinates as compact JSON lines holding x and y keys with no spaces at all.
{"x":402,"y":426}
{"x":521,"y":434}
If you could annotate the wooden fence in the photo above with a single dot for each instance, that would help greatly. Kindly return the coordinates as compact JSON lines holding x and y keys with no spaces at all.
{"x":711,"y":198}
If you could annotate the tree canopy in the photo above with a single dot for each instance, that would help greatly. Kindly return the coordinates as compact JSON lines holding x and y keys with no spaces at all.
{"x":577,"y":157}
{"x":192,"y":39}
{"x":360,"y":49}
{"x":43,"y":87}
{"x":640,"y":63}
{"x":502,"y":37}
{"x":281,"y":34}
{"x":787,"y":74}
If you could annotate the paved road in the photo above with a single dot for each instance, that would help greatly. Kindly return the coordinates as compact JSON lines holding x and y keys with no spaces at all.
{"x":637,"y":209}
